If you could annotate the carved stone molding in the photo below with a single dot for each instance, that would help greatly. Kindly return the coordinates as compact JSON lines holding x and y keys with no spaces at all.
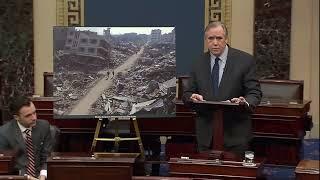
{"x":70,"y":12}
{"x":220,"y":10}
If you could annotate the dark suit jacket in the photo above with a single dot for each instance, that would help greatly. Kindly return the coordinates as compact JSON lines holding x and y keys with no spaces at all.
{"x":239,"y":79}
{"x":11,"y":139}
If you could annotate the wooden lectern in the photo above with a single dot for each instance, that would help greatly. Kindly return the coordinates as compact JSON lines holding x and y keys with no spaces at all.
{"x":218,"y":109}
{"x":216,"y":163}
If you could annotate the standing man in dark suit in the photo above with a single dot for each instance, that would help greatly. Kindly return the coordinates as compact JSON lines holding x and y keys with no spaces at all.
{"x":235,"y":81}
{"x":14,"y":135}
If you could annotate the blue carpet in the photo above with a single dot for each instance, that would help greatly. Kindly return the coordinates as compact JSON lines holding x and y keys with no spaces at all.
{"x":310,"y":151}
{"x":279,"y":173}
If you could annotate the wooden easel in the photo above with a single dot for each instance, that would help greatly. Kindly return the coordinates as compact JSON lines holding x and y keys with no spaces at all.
{"x":117,"y":138}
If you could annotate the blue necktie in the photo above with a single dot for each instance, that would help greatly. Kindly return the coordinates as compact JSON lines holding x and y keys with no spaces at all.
{"x":215,"y":76}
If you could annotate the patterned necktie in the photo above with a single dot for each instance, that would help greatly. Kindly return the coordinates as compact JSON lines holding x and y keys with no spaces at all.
{"x":30,"y":154}
{"x":215,"y":76}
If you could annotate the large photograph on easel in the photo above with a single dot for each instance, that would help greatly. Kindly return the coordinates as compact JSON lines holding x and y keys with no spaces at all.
{"x":114,"y":71}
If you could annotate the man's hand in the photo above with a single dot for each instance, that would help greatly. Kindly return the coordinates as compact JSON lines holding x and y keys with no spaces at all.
{"x":42,"y":177}
{"x":196,"y":98}
{"x":240,"y":100}
{"x":31,"y":178}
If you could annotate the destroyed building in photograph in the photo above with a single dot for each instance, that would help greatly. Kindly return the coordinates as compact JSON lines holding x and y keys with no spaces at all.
{"x":114,"y":74}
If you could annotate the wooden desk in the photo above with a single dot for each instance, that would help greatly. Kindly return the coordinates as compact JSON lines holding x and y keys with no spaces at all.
{"x":64,"y":166}
{"x":6,"y":163}
{"x":278,"y":129}
{"x":308,"y":170}
{"x":158,"y":178}
{"x":13,"y":177}
{"x":196,"y":168}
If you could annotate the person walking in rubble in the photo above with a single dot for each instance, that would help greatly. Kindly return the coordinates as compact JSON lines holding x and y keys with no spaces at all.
{"x":108,"y":73}
{"x":112,"y":74}
{"x":108,"y":106}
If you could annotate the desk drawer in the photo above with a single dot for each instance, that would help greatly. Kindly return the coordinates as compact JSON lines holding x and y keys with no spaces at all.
{"x":278,"y":127}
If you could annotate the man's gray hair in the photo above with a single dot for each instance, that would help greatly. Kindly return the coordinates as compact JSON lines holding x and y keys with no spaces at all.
{"x":215,"y":24}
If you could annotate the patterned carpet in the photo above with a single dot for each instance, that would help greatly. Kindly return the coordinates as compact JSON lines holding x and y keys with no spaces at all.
{"x":310,"y":151}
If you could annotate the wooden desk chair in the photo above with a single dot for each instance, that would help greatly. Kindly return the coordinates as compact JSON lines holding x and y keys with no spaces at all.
{"x":48,"y":84}
{"x":55,"y":135}
{"x":282,"y":89}
{"x":285,"y":90}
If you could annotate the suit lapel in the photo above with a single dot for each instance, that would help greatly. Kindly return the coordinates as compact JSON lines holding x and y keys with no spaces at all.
{"x":18,"y":134}
{"x":207,"y":74}
{"x":225,"y":80}
{"x":35,"y":137}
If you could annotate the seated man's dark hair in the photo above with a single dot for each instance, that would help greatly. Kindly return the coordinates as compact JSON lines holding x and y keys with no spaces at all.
{"x":17,"y":103}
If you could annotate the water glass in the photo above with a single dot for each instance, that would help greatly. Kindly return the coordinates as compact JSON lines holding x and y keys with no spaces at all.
{"x":249,"y":158}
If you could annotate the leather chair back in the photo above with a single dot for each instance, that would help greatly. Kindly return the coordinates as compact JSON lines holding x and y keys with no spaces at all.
{"x":48,"y":84}
{"x":272,"y":89}
{"x":55,"y":135}
{"x":282,"y":89}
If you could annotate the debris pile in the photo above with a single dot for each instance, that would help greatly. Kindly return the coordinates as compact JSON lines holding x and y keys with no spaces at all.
{"x":149,"y":88}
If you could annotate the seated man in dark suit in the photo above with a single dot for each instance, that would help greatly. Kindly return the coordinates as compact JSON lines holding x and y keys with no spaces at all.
{"x":28,"y":137}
